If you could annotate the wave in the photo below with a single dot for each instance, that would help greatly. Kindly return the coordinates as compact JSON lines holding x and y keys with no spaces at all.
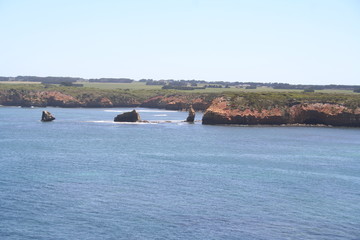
{"x":166,"y":121}
{"x":112,"y":122}
{"x":160,"y":115}
{"x":135,"y":123}
{"x":155,"y":111}
{"x":140,"y":110}
{"x":100,"y":121}
{"x":116,"y":111}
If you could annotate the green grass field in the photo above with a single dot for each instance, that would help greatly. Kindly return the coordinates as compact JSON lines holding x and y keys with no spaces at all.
{"x":138,"y":86}
{"x":18,"y":82}
{"x":261,"y":98}
{"x":143,"y":86}
{"x":130,"y":86}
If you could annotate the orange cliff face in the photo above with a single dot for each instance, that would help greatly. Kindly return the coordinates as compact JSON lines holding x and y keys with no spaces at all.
{"x":220,"y":112}
{"x":39,"y":98}
{"x":51,"y":98}
{"x":58,"y":99}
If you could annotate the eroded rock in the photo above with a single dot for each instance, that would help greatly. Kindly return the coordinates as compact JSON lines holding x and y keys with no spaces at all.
{"x":47,"y":117}
{"x":132,"y":116}
{"x":221,"y":112}
{"x":191,"y":116}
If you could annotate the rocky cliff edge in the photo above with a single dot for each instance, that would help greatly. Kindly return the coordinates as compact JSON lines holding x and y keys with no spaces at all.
{"x":221,"y":112}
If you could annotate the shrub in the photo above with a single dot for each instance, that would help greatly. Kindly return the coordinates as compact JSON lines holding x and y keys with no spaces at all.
{"x":308,"y":90}
{"x":250,"y":87}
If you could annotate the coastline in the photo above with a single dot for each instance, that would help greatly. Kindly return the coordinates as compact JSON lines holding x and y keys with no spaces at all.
{"x":223,"y":108}
{"x":198,"y":121}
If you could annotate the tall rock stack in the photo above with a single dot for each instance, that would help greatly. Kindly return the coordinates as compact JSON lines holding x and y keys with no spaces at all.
{"x":191,"y":116}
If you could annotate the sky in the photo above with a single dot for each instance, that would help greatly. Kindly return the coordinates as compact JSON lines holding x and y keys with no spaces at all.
{"x":288,"y":41}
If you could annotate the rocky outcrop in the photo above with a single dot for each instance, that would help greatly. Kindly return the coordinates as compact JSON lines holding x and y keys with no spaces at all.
{"x":132,"y":116}
{"x":176,"y":102}
{"x":43,"y":98}
{"x":327,"y":114}
{"x":221,"y":112}
{"x":55,"y":99}
{"x":47,"y":117}
{"x":191,"y":116}
{"x":244,"y":108}
{"x":26,"y":98}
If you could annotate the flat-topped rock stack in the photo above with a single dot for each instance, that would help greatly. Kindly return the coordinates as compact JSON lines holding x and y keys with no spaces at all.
{"x":132,"y":116}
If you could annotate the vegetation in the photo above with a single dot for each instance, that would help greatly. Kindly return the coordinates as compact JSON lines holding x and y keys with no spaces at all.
{"x":181,"y":87}
{"x":276,"y":99}
{"x":309,"y":90}
{"x":183,"y":83}
{"x":250,"y":87}
{"x":112,"y":80}
{"x":70,"y":84}
{"x":139,"y":91}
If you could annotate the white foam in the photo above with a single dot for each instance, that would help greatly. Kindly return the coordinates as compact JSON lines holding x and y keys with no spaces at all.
{"x":139,"y":110}
{"x":156,"y":111}
{"x":117,"y":111}
{"x":160,"y":115}
{"x":135,"y":123}
{"x":101,"y":121}
{"x":112,"y":122}
{"x":166,"y":121}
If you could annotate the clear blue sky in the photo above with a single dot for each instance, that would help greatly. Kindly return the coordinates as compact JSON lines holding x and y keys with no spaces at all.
{"x":293,"y":41}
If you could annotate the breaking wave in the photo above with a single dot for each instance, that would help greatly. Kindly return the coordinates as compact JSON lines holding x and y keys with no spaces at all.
{"x":140,"y":111}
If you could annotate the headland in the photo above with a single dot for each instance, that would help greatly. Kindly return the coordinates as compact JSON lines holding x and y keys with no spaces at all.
{"x":222,"y":105}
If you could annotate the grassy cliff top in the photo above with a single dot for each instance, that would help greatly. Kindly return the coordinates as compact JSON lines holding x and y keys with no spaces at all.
{"x":257,"y":98}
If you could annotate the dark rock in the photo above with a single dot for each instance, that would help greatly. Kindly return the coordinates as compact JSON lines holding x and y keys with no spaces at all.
{"x":132,"y":116}
{"x":47,"y":116}
{"x":191,"y":116}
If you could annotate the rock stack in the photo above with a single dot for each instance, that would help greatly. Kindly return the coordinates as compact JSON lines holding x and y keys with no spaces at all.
{"x":132,"y":116}
{"x":47,"y":117}
{"x":191,"y":116}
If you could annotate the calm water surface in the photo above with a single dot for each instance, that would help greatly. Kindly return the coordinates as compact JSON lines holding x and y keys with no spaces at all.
{"x":85,"y":177}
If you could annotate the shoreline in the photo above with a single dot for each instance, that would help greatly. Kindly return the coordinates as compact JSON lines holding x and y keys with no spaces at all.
{"x":300,"y":125}
{"x":274,"y":109}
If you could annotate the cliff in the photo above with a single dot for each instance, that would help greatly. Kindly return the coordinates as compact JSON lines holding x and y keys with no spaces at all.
{"x":91,"y":98}
{"x":24,"y":98}
{"x":274,"y":108}
{"x":222,"y":111}
{"x":177,"y":102}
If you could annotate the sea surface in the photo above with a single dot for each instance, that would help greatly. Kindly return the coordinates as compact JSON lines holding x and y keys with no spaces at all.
{"x":83,"y":176}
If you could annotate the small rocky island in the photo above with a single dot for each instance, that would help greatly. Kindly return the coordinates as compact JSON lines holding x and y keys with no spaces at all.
{"x":47,"y":117}
{"x":132,"y":116}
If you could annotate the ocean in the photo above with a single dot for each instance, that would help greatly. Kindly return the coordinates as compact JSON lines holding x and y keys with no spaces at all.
{"x":83,"y":176}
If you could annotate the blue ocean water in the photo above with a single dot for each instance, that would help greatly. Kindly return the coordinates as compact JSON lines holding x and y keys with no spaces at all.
{"x":85,"y":177}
